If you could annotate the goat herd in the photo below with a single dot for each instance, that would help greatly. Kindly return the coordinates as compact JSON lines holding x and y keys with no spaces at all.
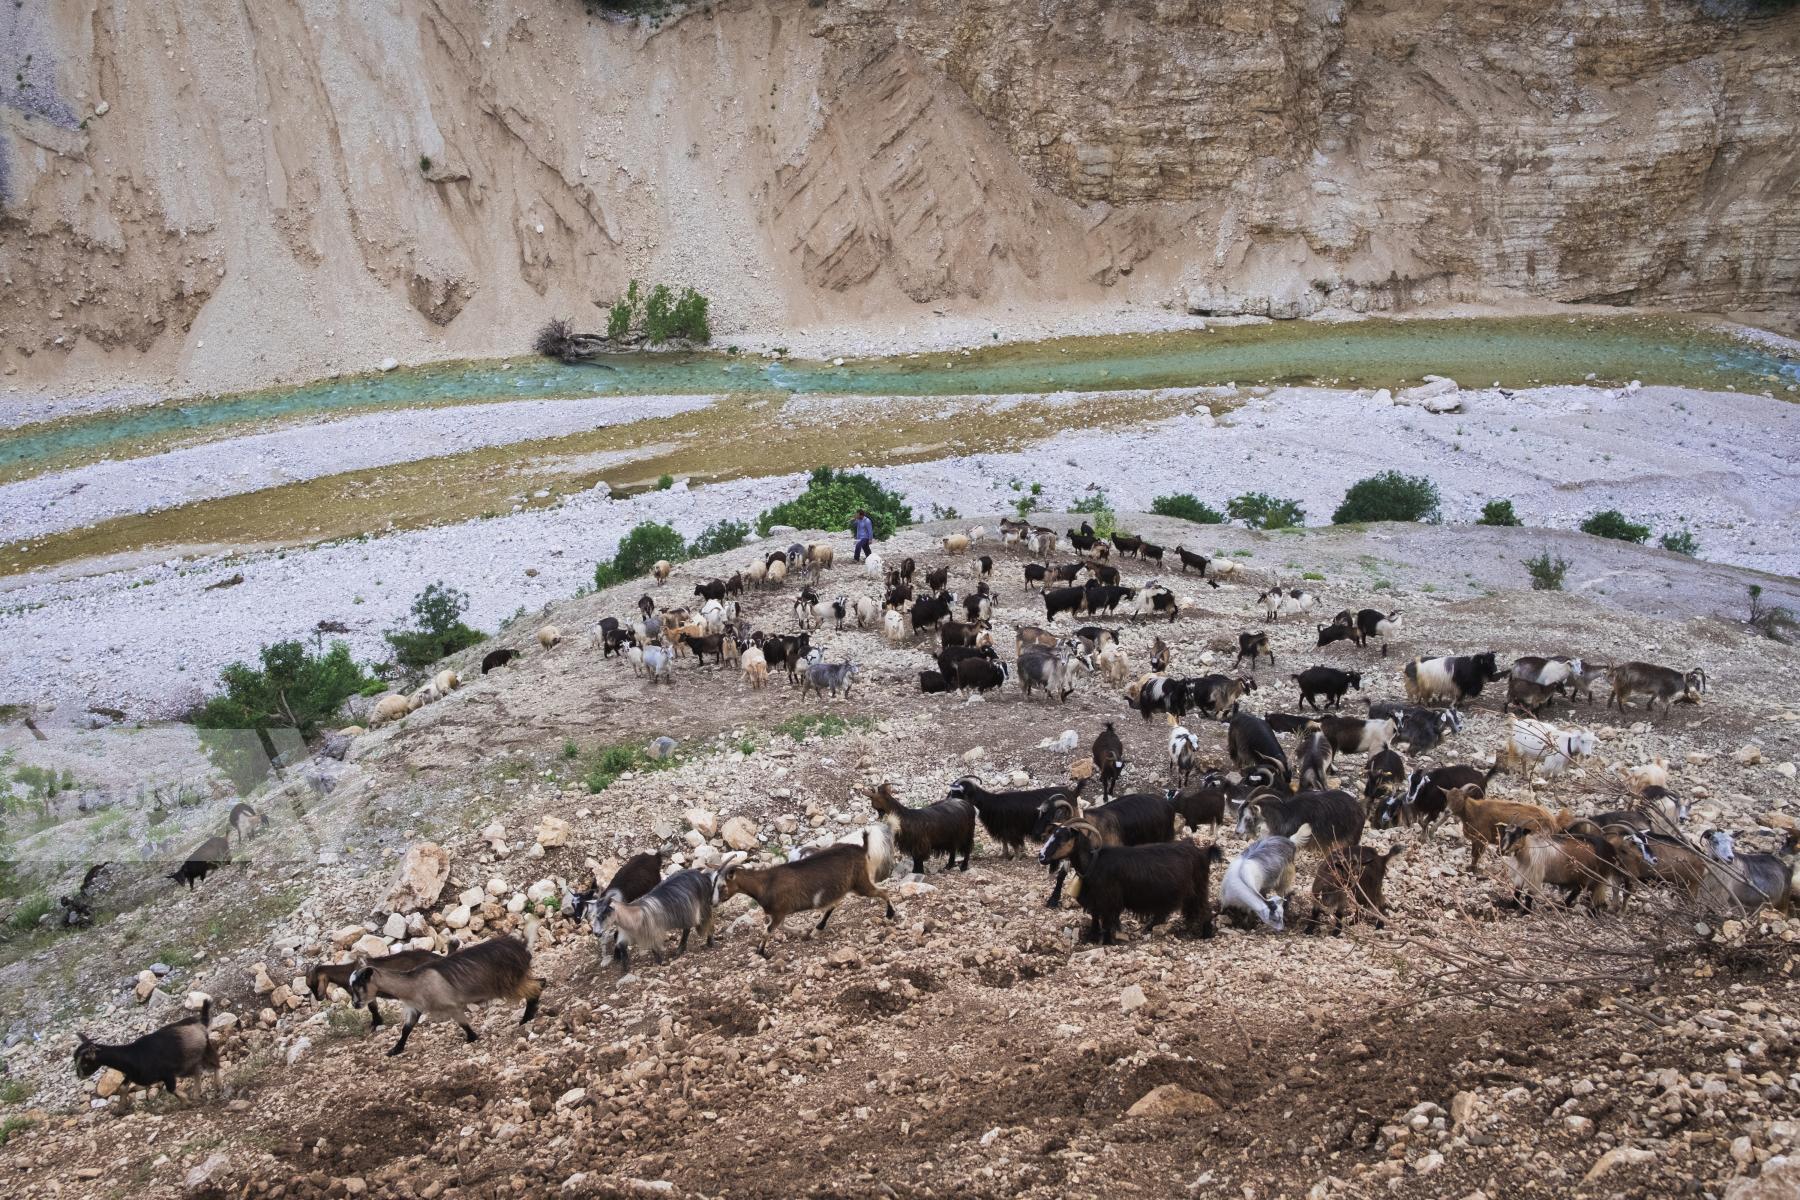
{"x":1130,"y":852}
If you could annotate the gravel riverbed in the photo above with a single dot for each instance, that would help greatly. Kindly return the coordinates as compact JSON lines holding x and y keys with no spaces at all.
{"x":147,"y":636}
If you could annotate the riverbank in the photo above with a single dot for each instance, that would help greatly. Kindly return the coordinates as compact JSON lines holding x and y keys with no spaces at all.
{"x":149,"y":635}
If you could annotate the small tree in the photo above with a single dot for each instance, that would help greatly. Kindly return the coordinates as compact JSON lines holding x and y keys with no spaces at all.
{"x":1259,"y":510}
{"x":437,"y":628}
{"x":830,"y":501}
{"x":1187,"y":508}
{"x":1389,"y":496}
{"x":1547,"y":572}
{"x":1611,"y":523}
{"x":1681,"y":542}
{"x":1498,"y":512}
{"x":638,"y":552}
{"x":292,"y":689}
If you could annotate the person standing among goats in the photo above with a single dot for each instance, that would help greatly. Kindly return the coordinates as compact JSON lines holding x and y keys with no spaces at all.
{"x":863,"y":530}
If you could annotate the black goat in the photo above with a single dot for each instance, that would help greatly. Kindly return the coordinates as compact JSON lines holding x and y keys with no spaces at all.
{"x":712,"y":589}
{"x":1333,"y":815}
{"x":1328,"y":682}
{"x":177,"y":1051}
{"x":947,"y":827}
{"x":1252,"y":743}
{"x":1010,"y":818}
{"x":933,"y":683}
{"x":1427,"y":795}
{"x":1140,"y":819}
{"x":208,"y":856}
{"x":497,"y":658}
{"x":1109,"y":758}
{"x":1386,"y":770}
{"x":1150,"y":882}
{"x":1036,"y":573}
{"x":1063,"y":600}
{"x":929,"y":610}
{"x":982,"y":674}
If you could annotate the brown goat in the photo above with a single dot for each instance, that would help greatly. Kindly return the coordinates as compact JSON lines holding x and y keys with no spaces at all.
{"x":1578,"y":863}
{"x":322,"y":976}
{"x":1350,"y":880}
{"x":820,"y":880}
{"x":1482,"y":820}
{"x":444,"y":988}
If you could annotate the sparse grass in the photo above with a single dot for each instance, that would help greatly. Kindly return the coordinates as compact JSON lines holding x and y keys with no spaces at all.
{"x":824,"y":725}
{"x":571,"y":750}
{"x":1312,"y":575}
{"x":30,"y":911}
{"x":178,"y":957}
{"x":341,"y":1022}
{"x":615,"y":761}
{"x":13,"y":1125}
{"x":14,"y":1091}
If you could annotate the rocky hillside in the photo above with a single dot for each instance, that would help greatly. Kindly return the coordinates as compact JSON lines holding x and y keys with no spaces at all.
{"x":972,"y":1046}
{"x":203,"y":192}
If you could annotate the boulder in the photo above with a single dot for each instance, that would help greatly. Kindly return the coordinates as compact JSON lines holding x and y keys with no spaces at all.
{"x":457,"y":917}
{"x":208,"y":1176}
{"x":740,"y":834}
{"x":1171,"y":1100}
{"x":1748,"y":755}
{"x":370,"y":945}
{"x":541,"y":891}
{"x":701,"y":821}
{"x":1436,"y":395}
{"x":109,"y":1083}
{"x":552,"y":832}
{"x":395,"y":926}
{"x":420,"y":882}
{"x":146,"y":983}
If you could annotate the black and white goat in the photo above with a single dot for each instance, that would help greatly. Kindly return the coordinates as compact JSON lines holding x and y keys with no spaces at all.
{"x":177,"y":1051}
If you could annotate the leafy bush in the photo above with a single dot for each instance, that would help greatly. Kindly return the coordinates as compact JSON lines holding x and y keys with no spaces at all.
{"x":1681,"y":542}
{"x":664,"y":482}
{"x":1547,"y":572}
{"x":668,"y":316}
{"x":1498,"y":512}
{"x":1095,"y":505}
{"x":1611,"y":523}
{"x":293,"y":689}
{"x":1389,"y":496}
{"x":1025,"y":503}
{"x":638,"y":552}
{"x":830,"y":502}
{"x":719,"y":537}
{"x":1258,"y":510}
{"x":623,"y":313}
{"x":437,"y":629}
{"x":1187,"y":508}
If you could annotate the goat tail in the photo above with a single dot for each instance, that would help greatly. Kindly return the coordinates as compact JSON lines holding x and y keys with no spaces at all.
{"x":206,"y":1013}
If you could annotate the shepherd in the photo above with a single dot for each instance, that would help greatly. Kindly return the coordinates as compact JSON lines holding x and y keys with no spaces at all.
{"x":863,"y":530}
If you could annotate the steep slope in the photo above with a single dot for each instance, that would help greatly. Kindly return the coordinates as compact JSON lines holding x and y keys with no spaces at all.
{"x":208,"y":191}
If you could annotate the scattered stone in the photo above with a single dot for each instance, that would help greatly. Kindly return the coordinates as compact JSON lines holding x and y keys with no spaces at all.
{"x":974,"y":755}
{"x":1132,"y":998}
{"x":702,"y":821}
{"x":207,"y":1176}
{"x":1748,"y":755}
{"x":423,"y":872}
{"x":740,"y":834}
{"x":109,"y":1083}
{"x":146,"y":983}
{"x":1621,"y":1156}
{"x":370,"y":945}
{"x":1464,"y":1106}
{"x":389,"y":364}
{"x":661,"y":748}
{"x":394,"y":926}
{"x":299,"y":1050}
{"x":552,"y":832}
{"x":458,"y":917}
{"x":1171,"y":1100}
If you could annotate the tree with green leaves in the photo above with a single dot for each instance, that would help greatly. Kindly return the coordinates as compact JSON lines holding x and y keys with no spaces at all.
{"x":437,"y":630}
{"x":293,"y":688}
{"x":830,"y":501}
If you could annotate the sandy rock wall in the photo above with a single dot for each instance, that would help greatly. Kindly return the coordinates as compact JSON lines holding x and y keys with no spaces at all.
{"x":206,"y":191}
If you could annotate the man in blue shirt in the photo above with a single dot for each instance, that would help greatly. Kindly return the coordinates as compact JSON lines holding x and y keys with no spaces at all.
{"x":863,"y":530}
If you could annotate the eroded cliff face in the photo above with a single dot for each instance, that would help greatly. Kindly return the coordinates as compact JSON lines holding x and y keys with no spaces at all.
{"x":229,"y":193}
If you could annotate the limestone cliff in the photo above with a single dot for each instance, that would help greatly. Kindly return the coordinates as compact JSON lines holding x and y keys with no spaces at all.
{"x":233,"y":192}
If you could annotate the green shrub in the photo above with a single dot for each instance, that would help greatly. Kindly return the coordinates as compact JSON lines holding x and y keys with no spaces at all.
{"x":623,"y":313}
{"x":719,"y":537}
{"x":1681,"y":542}
{"x":1773,"y":621}
{"x":830,"y":502}
{"x":1187,"y":508}
{"x":13,"y":1125}
{"x":1389,"y":496}
{"x":664,"y":482}
{"x":1025,"y":503}
{"x":1547,"y":572}
{"x":1498,"y":512}
{"x":1258,"y":510}
{"x":1611,"y":523}
{"x":1096,"y":506}
{"x":293,"y":689}
{"x":668,"y":316}
{"x":437,"y":630}
{"x":638,"y":552}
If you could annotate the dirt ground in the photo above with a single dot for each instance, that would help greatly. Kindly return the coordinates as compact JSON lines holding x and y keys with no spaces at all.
{"x":975,"y":1046}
